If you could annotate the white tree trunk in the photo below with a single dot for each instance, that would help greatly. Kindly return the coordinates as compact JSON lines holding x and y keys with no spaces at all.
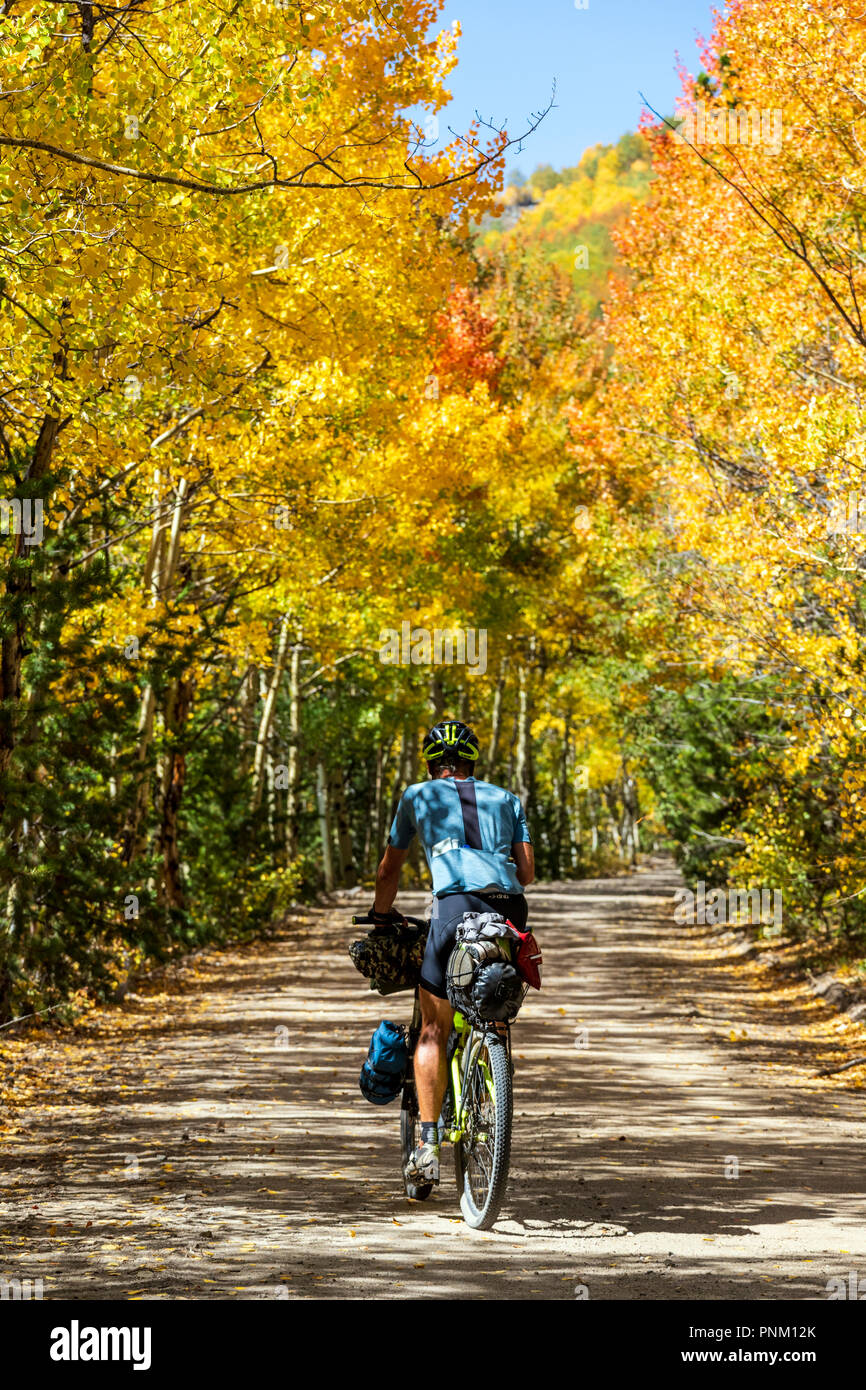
{"x":268,"y":713}
{"x":293,"y":759}
{"x":322,"y":798}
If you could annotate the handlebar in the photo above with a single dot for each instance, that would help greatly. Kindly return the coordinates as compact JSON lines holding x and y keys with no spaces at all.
{"x":367,"y":921}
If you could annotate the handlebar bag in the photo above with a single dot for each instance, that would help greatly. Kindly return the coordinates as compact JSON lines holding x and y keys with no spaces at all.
{"x":390,"y":956}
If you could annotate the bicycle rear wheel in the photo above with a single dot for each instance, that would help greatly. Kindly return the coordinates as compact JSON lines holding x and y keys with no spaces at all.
{"x":482,"y":1155}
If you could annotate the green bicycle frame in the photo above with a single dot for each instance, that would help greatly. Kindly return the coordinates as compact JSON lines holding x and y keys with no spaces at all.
{"x":464,"y":1057}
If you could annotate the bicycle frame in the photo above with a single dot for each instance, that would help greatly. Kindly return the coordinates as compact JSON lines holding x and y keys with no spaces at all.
{"x":464,"y":1058}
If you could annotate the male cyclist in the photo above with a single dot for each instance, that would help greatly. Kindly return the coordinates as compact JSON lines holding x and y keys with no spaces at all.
{"x":480,"y":855}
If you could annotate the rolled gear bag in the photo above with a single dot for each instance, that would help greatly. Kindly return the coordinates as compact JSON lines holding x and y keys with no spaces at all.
{"x":481,"y":982}
{"x":390,"y":956}
{"x":384,"y":1071}
{"x":524,"y":951}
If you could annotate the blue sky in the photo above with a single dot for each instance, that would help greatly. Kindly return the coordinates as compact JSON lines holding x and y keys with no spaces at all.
{"x":601,"y":58}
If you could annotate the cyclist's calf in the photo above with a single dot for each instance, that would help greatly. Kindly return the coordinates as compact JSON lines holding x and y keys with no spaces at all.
{"x":430,"y":1069}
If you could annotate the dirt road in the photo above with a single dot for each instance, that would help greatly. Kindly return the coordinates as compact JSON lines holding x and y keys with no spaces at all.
{"x":207,"y":1139}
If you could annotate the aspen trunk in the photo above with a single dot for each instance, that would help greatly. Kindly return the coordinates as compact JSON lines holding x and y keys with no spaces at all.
{"x":611,"y":799}
{"x":398,"y":783}
{"x":406,"y":775}
{"x":437,"y":696}
{"x":631,"y":815}
{"x":249,"y":699}
{"x":561,"y":823}
{"x":372,"y":833}
{"x":176,"y":713}
{"x":294,"y":752}
{"x":158,"y":576}
{"x":340,"y":820}
{"x":171,"y":889}
{"x":268,"y":713}
{"x":496,"y":722}
{"x":383,"y":761}
{"x":270,"y":795}
{"x":152,"y":565}
{"x":592,"y":800}
{"x":572,"y":828}
{"x":174,"y":538}
{"x":322,"y":799}
{"x":132,"y":842}
{"x":524,"y":771}
{"x":578,"y":832}
{"x":509,"y":780}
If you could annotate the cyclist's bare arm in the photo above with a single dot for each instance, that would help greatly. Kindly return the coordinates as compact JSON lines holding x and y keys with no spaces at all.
{"x":524,"y":859}
{"x":388,"y":877}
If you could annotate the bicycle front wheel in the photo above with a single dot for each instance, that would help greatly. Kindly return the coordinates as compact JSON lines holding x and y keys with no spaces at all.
{"x":483,"y":1152}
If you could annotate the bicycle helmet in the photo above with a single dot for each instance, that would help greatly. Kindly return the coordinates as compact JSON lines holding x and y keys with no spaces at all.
{"x":451,"y":736}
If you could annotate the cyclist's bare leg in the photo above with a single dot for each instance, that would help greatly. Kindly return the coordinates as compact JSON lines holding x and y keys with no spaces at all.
{"x":431,"y":1076}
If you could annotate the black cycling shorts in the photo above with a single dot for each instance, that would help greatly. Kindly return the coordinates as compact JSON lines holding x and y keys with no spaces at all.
{"x":448,"y":914}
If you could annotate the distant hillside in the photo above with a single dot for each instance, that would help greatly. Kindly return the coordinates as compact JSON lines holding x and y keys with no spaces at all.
{"x":568,"y":216}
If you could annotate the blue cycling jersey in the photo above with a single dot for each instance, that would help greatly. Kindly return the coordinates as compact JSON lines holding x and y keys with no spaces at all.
{"x":435,"y":809}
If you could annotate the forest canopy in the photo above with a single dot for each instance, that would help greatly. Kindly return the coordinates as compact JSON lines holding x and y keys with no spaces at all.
{"x":279,"y":376}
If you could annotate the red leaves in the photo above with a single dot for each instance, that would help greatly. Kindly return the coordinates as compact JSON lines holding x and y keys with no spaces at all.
{"x":465,"y":356}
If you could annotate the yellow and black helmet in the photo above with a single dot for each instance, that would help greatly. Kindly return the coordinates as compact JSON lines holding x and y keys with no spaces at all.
{"x":451,"y":736}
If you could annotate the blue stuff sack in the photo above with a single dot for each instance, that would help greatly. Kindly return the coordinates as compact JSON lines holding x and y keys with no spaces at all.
{"x":387,"y":1062}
